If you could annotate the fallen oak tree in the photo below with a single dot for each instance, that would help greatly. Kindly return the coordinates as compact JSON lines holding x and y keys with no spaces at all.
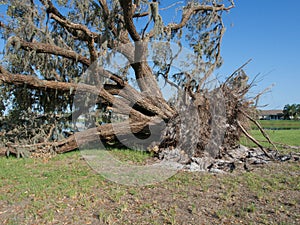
{"x":46,"y":63}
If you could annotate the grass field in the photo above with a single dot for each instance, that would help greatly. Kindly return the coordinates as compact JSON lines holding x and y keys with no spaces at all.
{"x":279,"y":124}
{"x":288,"y":137}
{"x":281,"y":131}
{"x":65,"y":190}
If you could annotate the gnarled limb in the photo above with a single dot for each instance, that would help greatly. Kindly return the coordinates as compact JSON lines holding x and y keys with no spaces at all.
{"x":128,"y":15}
{"x":36,"y":83}
{"x":187,"y":14}
{"x":106,"y":132}
{"x":48,"y":48}
{"x":106,"y":93}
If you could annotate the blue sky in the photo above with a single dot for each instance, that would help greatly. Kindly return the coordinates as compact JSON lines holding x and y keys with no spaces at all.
{"x":267,"y":32}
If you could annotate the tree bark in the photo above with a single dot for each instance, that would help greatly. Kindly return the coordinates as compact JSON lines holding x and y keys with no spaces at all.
{"x":51,"y":49}
{"x":143,"y":101}
{"x":106,"y":132}
{"x":137,"y":122}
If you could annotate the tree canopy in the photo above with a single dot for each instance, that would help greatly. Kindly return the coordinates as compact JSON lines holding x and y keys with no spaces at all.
{"x":55,"y":70}
{"x":291,"y":111}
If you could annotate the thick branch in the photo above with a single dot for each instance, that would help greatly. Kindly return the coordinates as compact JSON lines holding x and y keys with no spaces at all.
{"x":51,"y":49}
{"x":71,"y":27}
{"x":188,"y":13}
{"x":79,"y":27}
{"x":106,"y":132}
{"x":122,"y":89}
{"x":84,"y":33}
{"x":128,"y":15}
{"x":36,"y":83}
{"x":138,"y":15}
{"x":105,"y":17}
{"x":78,"y":30}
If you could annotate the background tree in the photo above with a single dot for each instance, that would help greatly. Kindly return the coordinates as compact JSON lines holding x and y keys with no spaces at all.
{"x":51,"y":44}
{"x":297,"y":116}
{"x":286,"y":112}
{"x":291,"y":111}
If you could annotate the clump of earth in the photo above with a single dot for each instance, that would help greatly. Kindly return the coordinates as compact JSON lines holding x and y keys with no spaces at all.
{"x":240,"y":157}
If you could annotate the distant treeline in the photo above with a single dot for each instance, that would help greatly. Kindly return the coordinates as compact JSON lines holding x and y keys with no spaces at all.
{"x":291,"y":112}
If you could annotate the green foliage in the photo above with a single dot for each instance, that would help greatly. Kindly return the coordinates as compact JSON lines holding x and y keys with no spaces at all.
{"x":292,"y":111}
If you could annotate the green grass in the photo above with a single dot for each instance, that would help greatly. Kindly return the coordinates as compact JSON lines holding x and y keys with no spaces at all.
{"x":288,"y":137}
{"x":279,"y":124}
{"x":280,"y":131}
{"x":66,"y":190}
{"x":133,"y":156}
{"x":37,"y":183}
{"x":35,"y":177}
